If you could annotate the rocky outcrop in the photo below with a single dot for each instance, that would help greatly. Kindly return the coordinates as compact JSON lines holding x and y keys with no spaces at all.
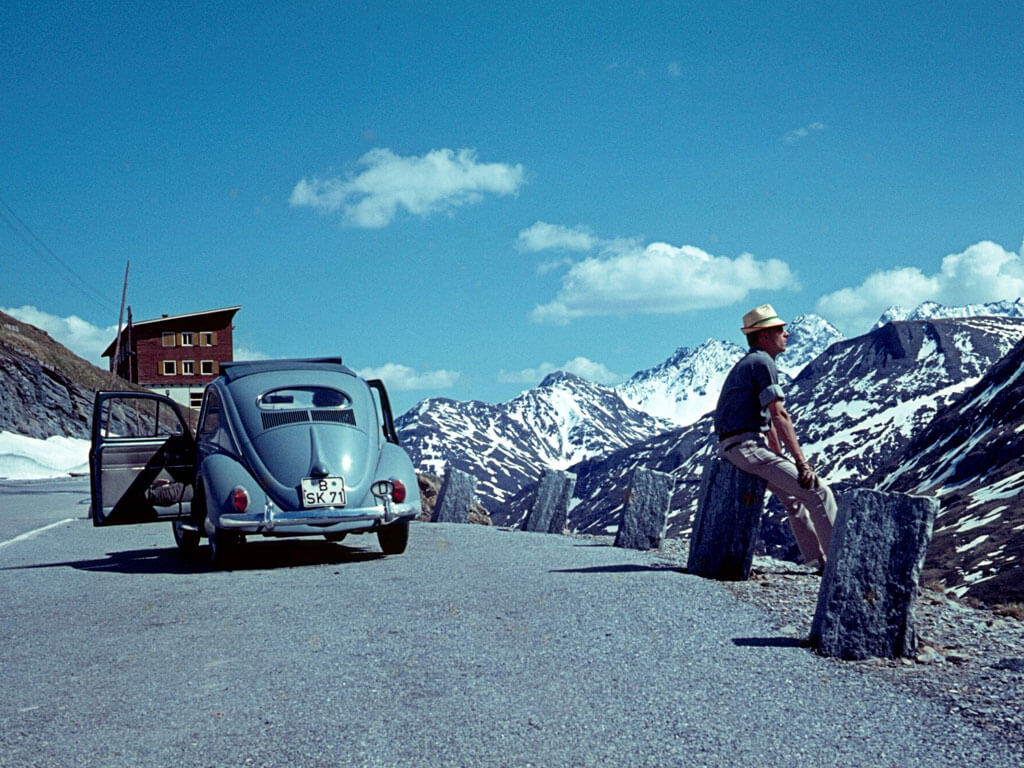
{"x":38,"y":401}
{"x":643,"y":518}
{"x":549,"y":510}
{"x":39,"y":397}
{"x":458,"y":491}
{"x":725,"y":530}
{"x":430,"y":487}
{"x":866,"y":603}
{"x":45,"y":388}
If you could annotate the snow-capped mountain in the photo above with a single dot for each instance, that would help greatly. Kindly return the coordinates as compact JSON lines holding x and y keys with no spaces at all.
{"x":971,"y":456}
{"x":930,"y":310}
{"x":507,"y":446}
{"x":809,"y":336}
{"x":686,"y":386}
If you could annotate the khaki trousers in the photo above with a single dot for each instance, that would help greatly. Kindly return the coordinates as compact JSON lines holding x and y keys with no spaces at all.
{"x":811,"y":511}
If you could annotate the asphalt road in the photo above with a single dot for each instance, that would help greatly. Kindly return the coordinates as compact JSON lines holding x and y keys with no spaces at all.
{"x":478,"y":647}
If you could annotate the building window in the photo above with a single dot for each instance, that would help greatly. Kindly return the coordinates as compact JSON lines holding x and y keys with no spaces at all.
{"x":186,"y":338}
{"x":188,"y":367}
{"x":170,"y":368}
{"x":168,"y":338}
{"x":206,"y":367}
{"x":207,"y":339}
{"x":195,"y":399}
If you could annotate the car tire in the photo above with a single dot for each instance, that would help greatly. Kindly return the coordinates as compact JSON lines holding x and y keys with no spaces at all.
{"x":394,"y":538}
{"x":187,"y":540}
{"x":225,"y":547}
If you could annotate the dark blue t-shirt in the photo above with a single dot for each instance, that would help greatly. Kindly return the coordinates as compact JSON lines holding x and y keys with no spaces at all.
{"x":751,"y":385}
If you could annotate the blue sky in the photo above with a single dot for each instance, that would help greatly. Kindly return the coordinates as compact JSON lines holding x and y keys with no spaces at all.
{"x":463,"y":196}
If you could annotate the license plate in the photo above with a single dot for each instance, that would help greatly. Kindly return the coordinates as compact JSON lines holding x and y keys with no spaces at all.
{"x":323,"y":492}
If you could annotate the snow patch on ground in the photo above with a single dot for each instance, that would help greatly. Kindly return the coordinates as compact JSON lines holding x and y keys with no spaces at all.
{"x":29,"y":458}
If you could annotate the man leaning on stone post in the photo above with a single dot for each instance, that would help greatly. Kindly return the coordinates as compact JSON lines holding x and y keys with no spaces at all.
{"x":752,"y":426}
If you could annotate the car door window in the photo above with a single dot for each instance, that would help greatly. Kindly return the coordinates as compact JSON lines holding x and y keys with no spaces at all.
{"x":142,"y":459}
{"x":138,"y":418}
{"x":213,"y":426}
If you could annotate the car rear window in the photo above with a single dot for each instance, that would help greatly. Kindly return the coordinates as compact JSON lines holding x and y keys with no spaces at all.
{"x":291,"y":405}
{"x":303,"y":398}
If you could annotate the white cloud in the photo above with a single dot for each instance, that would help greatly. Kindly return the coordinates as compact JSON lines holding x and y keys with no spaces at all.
{"x":801,"y":133}
{"x":437,"y":182}
{"x":659,"y":279}
{"x":546,"y":237}
{"x":247,"y":353}
{"x":402,"y":378}
{"x":581,"y":366}
{"x":982,"y":273}
{"x":80,"y":336}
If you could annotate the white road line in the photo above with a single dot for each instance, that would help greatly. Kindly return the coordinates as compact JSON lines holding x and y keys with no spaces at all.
{"x":36,"y":532}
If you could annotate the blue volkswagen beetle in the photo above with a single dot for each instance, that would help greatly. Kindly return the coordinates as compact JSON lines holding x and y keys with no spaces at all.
{"x":281,"y":448}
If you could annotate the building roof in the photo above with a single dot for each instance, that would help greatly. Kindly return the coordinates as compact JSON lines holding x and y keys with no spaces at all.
{"x":229,"y":311}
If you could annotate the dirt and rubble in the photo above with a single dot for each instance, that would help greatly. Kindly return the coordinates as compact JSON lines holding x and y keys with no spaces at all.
{"x":970,"y":658}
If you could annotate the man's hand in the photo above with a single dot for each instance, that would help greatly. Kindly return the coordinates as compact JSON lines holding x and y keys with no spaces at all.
{"x":806,"y":476}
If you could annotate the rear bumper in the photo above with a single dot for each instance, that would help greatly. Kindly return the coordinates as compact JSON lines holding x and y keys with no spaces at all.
{"x":274,"y":521}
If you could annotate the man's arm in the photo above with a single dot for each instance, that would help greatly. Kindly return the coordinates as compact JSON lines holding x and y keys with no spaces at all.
{"x":773,"y":438}
{"x":782,"y":425}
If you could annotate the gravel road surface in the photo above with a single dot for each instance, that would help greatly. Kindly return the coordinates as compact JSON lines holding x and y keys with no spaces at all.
{"x":478,"y":647}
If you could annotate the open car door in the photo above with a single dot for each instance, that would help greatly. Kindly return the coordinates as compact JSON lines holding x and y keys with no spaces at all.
{"x":141,"y":461}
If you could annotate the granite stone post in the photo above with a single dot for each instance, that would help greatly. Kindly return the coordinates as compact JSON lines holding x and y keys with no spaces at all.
{"x":866,"y":601}
{"x":725,"y":529}
{"x":455,"y":497}
{"x":646,"y":512}
{"x":549,"y":511}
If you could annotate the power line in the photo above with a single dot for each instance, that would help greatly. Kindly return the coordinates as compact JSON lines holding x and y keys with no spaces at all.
{"x":42,"y":250}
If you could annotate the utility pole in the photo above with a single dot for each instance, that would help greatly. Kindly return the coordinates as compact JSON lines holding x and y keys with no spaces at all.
{"x":120,"y":318}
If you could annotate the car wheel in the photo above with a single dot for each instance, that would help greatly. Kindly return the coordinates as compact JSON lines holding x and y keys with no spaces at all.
{"x":335,"y":537}
{"x":224,"y":545}
{"x":393,"y":538}
{"x":187,"y":540}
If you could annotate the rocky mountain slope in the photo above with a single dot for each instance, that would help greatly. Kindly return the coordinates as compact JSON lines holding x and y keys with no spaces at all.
{"x":45,"y":388}
{"x":507,"y":446}
{"x":971,"y":456}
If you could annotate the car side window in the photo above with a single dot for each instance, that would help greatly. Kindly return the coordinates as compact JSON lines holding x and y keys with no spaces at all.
{"x":212,"y":427}
{"x":131,"y":417}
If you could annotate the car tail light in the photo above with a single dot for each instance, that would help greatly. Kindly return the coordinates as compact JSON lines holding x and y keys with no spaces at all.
{"x":397,"y":491}
{"x":240,"y":499}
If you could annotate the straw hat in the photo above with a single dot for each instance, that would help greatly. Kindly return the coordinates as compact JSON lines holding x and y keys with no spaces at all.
{"x":761,"y":317}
